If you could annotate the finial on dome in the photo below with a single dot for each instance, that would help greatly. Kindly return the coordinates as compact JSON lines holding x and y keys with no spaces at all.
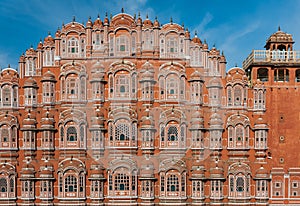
{"x":146,"y":16}
{"x":235,"y":65}
{"x":134,"y":16}
{"x":8,"y":66}
{"x":122,"y":10}
{"x":139,"y":15}
{"x":196,"y":33}
{"x":73,"y":18}
{"x":111,"y":16}
{"x":171,"y":20}
{"x":49,"y":33}
{"x":279,"y":28}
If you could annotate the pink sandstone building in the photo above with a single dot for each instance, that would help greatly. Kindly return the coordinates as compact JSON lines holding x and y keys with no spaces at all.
{"x":125,"y":111}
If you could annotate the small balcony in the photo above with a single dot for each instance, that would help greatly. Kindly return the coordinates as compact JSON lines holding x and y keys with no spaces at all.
{"x":267,"y":56}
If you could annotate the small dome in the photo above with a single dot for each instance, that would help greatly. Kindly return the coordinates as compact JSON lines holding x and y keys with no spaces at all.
{"x":98,"y":22}
{"x":28,"y":169}
{"x":89,"y":23}
{"x":49,"y":39}
{"x":97,"y":170}
{"x":30,"y":82}
{"x":29,"y":121}
{"x":147,"y":23}
{"x":98,"y":119}
{"x":262,"y":173}
{"x":106,"y":21}
{"x":196,"y":40}
{"x":196,"y":76}
{"x":215,"y":119}
{"x":215,"y":82}
{"x":147,"y":169}
{"x":47,"y":119}
{"x":260,"y":120}
{"x":40,"y":45}
{"x":187,"y":34}
{"x":48,"y":76}
{"x":147,"y":119}
{"x":156,"y":23}
{"x":197,"y":120}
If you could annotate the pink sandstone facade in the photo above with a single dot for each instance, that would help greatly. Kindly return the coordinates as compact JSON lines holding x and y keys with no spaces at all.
{"x":125,"y":111}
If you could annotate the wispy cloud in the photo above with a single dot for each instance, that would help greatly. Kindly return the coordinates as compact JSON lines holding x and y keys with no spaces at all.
{"x":205,"y":21}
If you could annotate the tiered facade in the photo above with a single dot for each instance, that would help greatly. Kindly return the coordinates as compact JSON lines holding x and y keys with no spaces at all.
{"x":122,"y":111}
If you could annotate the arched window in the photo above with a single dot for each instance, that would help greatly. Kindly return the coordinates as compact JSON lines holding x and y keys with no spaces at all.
{"x":147,"y":40}
{"x":122,"y":132}
{"x":172,"y":133}
{"x":122,"y":44}
{"x":6,"y":96}
{"x":30,"y":68}
{"x":71,"y":183}
{"x":122,"y":182}
{"x":172,"y":183}
{"x":48,"y":57}
{"x":240,"y":184}
{"x":73,"y":46}
{"x":237,"y":95}
{"x":3,"y":185}
{"x":239,"y":181}
{"x":71,"y":134}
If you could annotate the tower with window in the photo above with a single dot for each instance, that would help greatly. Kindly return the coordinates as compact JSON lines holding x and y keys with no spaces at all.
{"x":196,"y":88}
{"x":147,"y":130}
{"x":97,"y":130}
{"x":262,"y":181}
{"x":147,"y":180}
{"x":216,"y":180}
{"x":215,"y":132}
{"x":261,"y":139}
{"x":48,"y":87}
{"x":197,"y":131}
{"x":29,"y":132}
{"x":30,"y":93}
{"x":147,"y":82}
{"x":47,"y":130}
{"x":98,"y":83}
{"x":46,"y":182}
{"x":28,"y":183}
{"x":9,"y":85}
{"x":198,"y":182}
{"x":97,"y":179}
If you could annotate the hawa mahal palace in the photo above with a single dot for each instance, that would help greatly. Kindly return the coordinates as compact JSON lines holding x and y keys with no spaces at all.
{"x":125,"y":111}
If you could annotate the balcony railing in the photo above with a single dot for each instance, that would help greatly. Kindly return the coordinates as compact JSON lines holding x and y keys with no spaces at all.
{"x":267,"y":56}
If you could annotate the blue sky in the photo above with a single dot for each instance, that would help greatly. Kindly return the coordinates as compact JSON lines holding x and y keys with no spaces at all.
{"x":234,"y":26}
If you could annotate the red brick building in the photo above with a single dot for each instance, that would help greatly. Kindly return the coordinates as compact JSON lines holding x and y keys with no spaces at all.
{"x":125,"y":111}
